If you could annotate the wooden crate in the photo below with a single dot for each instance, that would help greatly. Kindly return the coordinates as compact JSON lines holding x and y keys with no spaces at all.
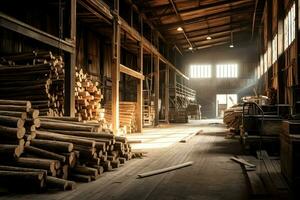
{"x":290,"y":158}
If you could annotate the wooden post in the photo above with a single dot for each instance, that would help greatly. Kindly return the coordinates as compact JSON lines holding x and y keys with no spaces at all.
{"x":167,"y":77}
{"x":175,"y":96}
{"x":139,"y":108}
{"x":70,"y":68}
{"x":115,"y":72}
{"x":156,"y":89}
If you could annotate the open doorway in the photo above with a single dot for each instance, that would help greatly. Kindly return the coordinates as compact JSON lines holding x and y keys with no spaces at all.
{"x":224,"y":101}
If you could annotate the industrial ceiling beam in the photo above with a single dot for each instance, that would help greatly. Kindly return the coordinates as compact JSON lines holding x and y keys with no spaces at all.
{"x":238,"y":11}
{"x":211,"y":29}
{"x":214,"y":35}
{"x":206,"y":42}
{"x":211,"y":6}
{"x":180,"y":19}
{"x":211,"y":45}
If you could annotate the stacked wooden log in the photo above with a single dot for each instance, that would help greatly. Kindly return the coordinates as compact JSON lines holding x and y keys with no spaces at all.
{"x":127,"y":111}
{"x":22,"y":166}
{"x":178,"y":115}
{"x":36,"y":77}
{"x":95,"y":151}
{"x":233,"y":117}
{"x":59,"y":152}
{"x":88,"y":97}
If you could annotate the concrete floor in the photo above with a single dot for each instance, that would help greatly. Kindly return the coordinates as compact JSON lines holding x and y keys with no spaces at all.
{"x":213,"y":175}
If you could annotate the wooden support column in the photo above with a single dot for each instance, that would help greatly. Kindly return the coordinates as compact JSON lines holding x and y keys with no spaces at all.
{"x":167,"y":96}
{"x":70,"y":68}
{"x":175,"y":85}
{"x":115,"y":72}
{"x":139,"y":108}
{"x":156,"y":90}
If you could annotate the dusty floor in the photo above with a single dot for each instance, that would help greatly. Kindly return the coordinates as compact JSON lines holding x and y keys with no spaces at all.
{"x":212,"y":176}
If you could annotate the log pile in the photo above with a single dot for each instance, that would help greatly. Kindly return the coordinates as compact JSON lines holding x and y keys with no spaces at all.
{"x":127,"y":115}
{"x":37,"y":77}
{"x":58,"y":153}
{"x":233,"y":117}
{"x":88,"y":97}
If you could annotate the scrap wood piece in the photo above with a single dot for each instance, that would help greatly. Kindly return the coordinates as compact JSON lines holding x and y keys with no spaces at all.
{"x":242,"y":161}
{"x":163,"y":170}
{"x":134,"y":141}
{"x":186,"y":138}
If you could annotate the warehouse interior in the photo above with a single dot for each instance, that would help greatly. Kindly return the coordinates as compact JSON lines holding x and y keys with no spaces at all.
{"x":157,"y":99}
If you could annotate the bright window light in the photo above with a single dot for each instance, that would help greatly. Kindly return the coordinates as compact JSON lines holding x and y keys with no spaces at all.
{"x":200,"y":71}
{"x":289,"y":27}
{"x":227,"y":71}
{"x":274,"y":49}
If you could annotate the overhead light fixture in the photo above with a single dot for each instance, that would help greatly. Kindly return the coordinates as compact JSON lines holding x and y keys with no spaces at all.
{"x":190,"y":48}
{"x":208,"y":36}
{"x":231,"y":44}
{"x":179,"y":29}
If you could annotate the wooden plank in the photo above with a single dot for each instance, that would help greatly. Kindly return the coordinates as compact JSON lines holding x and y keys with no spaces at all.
{"x":242,"y":161}
{"x":163,"y":170}
{"x":131,"y":72}
{"x":34,"y":33}
{"x":257,"y":186}
{"x":274,"y":174}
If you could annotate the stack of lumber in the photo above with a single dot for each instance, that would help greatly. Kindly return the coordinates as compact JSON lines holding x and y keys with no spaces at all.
{"x":88,"y":97}
{"x":22,"y":165}
{"x":58,"y":153}
{"x":178,"y":115}
{"x":37,"y":77}
{"x":127,"y":115}
{"x":233,"y":117}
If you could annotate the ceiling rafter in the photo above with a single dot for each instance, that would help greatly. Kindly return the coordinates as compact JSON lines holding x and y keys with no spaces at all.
{"x":237,"y":11}
{"x":213,"y":35}
{"x":215,"y":5}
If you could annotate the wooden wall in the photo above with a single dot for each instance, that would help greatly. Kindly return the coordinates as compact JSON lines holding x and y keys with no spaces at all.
{"x":283,"y":74}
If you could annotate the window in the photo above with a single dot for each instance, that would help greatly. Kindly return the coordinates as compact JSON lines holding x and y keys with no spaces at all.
{"x":289,"y":27}
{"x":227,"y":71}
{"x":200,"y":71}
{"x":274,"y":49}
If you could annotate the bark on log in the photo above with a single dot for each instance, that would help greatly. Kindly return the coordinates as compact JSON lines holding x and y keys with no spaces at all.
{"x":16,"y":103}
{"x":59,"y":137}
{"x":37,"y":163}
{"x":80,"y":178}
{"x":56,"y":183}
{"x":12,"y":133}
{"x":64,"y":126}
{"x":85,"y":170}
{"x":22,"y":115}
{"x":55,"y":146}
{"x":10,"y":151}
{"x":44,"y":154}
{"x":14,"y":108}
{"x":11,"y":121}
